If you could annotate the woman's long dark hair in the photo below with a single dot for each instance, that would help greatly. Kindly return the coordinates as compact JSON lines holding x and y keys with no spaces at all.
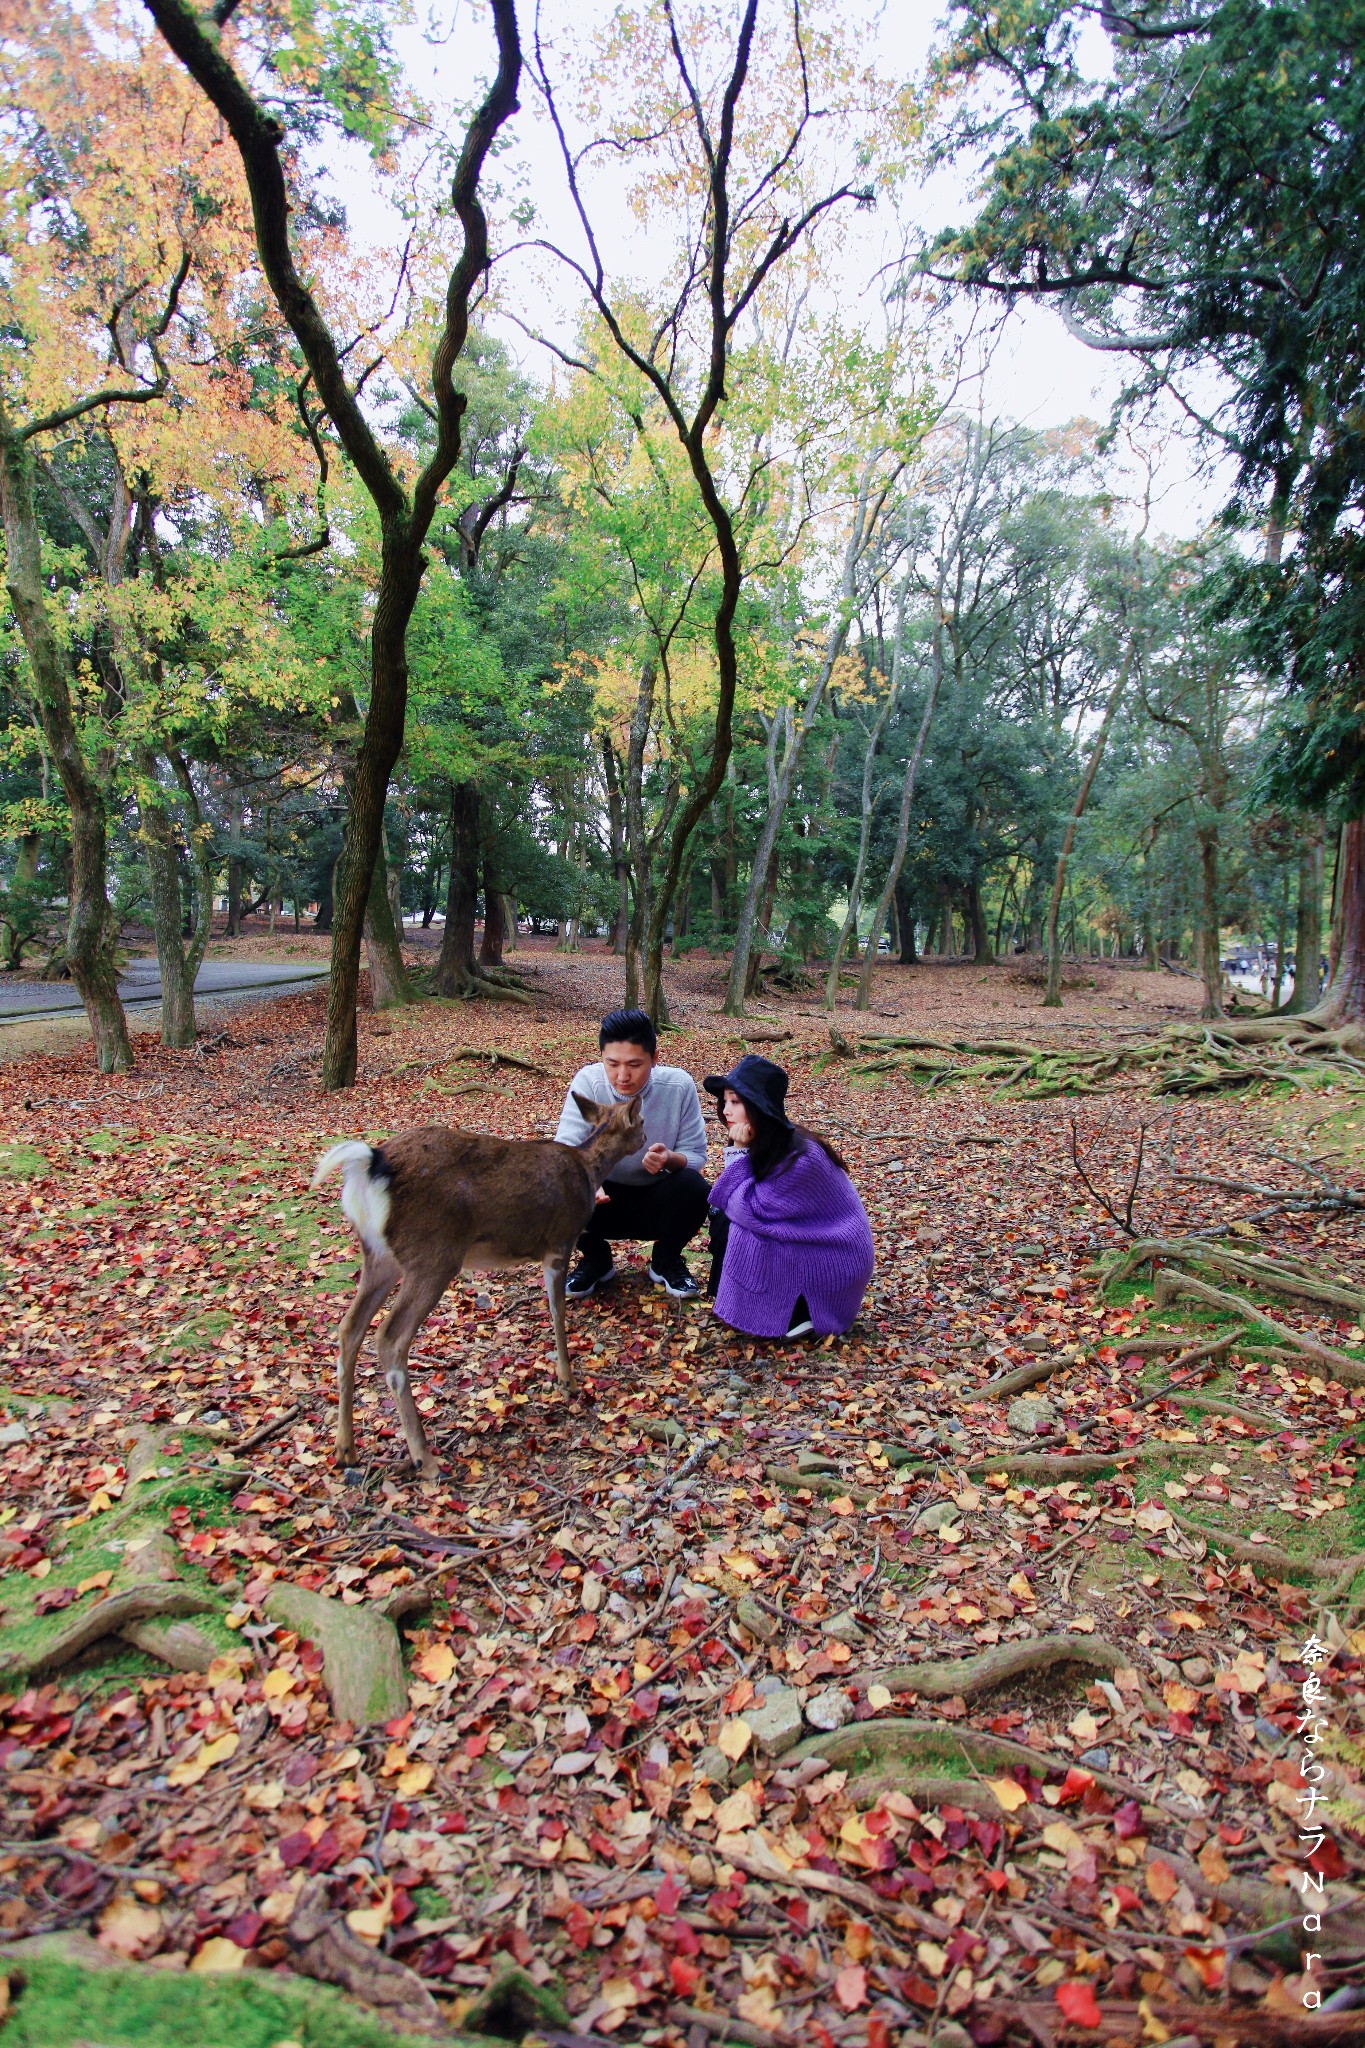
{"x":773,"y":1142}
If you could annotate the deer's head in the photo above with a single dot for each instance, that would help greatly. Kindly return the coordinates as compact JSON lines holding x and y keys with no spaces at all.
{"x":618,"y":1128}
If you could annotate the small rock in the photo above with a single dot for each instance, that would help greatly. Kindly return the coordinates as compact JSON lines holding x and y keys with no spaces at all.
{"x":829,"y":1710}
{"x":939,"y":1516}
{"x":354,"y":1475}
{"x":1030,"y":1415}
{"x":756,"y":1619}
{"x":1198,"y":1670}
{"x":713,"y":1765}
{"x":13,"y":1433}
{"x":950,"y":2035}
{"x":1271,"y":1737}
{"x":814,"y":1461}
{"x":768,"y":1685}
{"x":1095,"y":1759}
{"x":210,"y":1415}
{"x":777,"y":1724}
{"x":844,"y":1629}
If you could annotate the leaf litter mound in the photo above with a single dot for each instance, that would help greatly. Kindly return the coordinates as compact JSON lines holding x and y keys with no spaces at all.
{"x":760,"y":1692}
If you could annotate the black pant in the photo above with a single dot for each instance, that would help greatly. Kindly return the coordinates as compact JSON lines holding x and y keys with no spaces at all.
{"x":670,"y":1210}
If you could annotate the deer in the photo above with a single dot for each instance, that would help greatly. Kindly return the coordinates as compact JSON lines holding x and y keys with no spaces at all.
{"x":434,"y":1202}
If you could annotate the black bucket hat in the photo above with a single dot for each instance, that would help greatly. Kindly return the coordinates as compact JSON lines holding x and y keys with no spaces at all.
{"x":759,"y":1082}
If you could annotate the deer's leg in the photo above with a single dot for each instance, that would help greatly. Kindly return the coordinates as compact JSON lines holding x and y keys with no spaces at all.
{"x":418,"y":1296}
{"x":379,"y":1275}
{"x":555,"y":1268}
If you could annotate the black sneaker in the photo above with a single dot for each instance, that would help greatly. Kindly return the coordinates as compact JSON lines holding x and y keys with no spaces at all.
{"x":672,"y":1274}
{"x":593,"y":1270}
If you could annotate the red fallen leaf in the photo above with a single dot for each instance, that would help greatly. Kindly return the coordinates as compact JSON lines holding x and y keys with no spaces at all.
{"x":1077,"y":2004}
{"x":294,"y":1849}
{"x":50,"y":1601}
{"x":325,"y":1852}
{"x":1328,"y":1860}
{"x":685,"y":1976}
{"x":850,"y":1986}
{"x":245,"y":1930}
{"x":669,"y":1895}
{"x":1209,"y":1963}
{"x":399,"y":1726}
{"x":878,"y":2033}
{"x":1126,"y":1898}
{"x":1128,"y":1820}
{"x":578,"y":1925}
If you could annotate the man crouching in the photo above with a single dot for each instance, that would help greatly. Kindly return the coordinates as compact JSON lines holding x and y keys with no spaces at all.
{"x":659,"y":1193}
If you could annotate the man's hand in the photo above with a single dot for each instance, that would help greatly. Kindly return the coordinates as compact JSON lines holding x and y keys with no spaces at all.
{"x":659,"y":1159}
{"x":601,"y":1196}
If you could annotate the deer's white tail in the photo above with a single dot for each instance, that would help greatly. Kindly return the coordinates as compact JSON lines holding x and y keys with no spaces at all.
{"x":364,"y":1199}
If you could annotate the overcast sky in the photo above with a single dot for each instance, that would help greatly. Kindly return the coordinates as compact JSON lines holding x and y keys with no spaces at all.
{"x":1037,"y":374}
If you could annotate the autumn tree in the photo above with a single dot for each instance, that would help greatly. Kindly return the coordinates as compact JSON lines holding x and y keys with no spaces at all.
{"x":729,"y":119}
{"x":268,"y":138}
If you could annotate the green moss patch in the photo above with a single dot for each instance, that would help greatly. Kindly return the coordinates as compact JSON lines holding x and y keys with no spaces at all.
{"x":60,"y":2004}
{"x":21,"y":1162}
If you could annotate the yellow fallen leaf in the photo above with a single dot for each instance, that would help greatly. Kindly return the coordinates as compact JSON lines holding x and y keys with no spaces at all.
{"x":1181,"y":1617}
{"x":1083,"y":1624}
{"x":739,"y":1812}
{"x":1009,"y":1795}
{"x":1060,"y":1835}
{"x":878,"y":1697}
{"x":277,"y":1682}
{"x":371,"y":1923}
{"x":734,"y":1739}
{"x":224,"y":1671}
{"x":933,"y":1959}
{"x":842,"y":1506}
{"x":436,"y":1664}
{"x":41,"y":1569}
{"x":741,"y":1564}
{"x":415,"y":1779}
{"x":191,"y":1769}
{"x":96,"y":1581}
{"x":265,"y":1796}
{"x":1021,"y":1589}
{"x":1180,"y":1698}
{"x":128,"y":1928}
{"x":218,"y":1956}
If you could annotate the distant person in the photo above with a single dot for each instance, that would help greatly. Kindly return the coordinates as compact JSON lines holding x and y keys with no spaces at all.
{"x":658,"y":1194}
{"x":791,"y":1241}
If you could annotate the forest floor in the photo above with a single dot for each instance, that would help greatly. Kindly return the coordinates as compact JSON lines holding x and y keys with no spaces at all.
{"x":762,"y":1692}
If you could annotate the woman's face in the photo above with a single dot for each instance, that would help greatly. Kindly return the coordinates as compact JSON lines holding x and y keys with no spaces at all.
{"x":735,"y":1116}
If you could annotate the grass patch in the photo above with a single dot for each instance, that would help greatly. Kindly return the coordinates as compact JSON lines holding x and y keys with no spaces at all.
{"x":22,"y":1162}
{"x":61,"y":2005}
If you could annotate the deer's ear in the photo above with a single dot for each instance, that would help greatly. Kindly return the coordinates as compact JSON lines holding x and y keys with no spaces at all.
{"x":590,"y":1111}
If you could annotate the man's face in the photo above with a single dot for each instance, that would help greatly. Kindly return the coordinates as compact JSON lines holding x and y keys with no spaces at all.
{"x":628,"y":1066}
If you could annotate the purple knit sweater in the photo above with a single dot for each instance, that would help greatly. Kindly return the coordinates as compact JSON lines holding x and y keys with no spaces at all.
{"x":802,"y":1230}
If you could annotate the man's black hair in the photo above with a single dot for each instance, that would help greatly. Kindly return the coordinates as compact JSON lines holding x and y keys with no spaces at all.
{"x":628,"y":1027}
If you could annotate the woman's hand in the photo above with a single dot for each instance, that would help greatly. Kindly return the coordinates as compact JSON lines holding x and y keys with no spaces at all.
{"x":735,"y":1116}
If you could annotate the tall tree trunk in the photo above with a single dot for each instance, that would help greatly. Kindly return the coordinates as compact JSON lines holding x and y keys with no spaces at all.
{"x":866,"y":806}
{"x":323,"y":921}
{"x":1052,"y":998}
{"x":455,"y":974}
{"x":1308,"y":932}
{"x":389,"y":983}
{"x":794,"y":730}
{"x":636,"y":840}
{"x":91,"y":932}
{"x":905,"y":922}
{"x":494,"y":922}
{"x":893,"y":873}
{"x":981,"y":944}
{"x":1210,"y":924}
{"x":1344,"y":999}
{"x":16,"y":932}
{"x":161,"y":845}
{"x":620,"y":857}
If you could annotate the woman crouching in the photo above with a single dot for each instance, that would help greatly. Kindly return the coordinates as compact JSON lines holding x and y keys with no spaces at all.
{"x":791,"y":1240}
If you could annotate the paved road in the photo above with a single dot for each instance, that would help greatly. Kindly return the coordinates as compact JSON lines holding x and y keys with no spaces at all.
{"x":140,"y":987}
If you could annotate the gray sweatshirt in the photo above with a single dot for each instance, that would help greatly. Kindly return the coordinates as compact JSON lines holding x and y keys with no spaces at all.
{"x":672,"y":1110}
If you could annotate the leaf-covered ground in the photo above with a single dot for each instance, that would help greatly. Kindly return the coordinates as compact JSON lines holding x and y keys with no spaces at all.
{"x":615,"y":1604}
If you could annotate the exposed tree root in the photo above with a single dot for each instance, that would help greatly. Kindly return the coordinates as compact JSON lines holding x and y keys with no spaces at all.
{"x":156,"y":1601}
{"x":1170,"y":1286}
{"x":1015,"y":1382}
{"x":965,"y":1677}
{"x":1272,"y":1556}
{"x":324,"y":1947}
{"x":884,"y":1746}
